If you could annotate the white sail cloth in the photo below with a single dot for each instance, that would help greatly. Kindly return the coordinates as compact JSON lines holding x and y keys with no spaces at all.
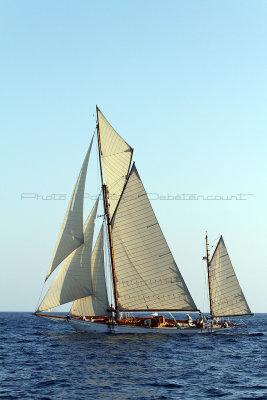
{"x":226,"y":294}
{"x":97,"y":303}
{"x":73,"y":280}
{"x":147,"y":276}
{"x":116,"y":158}
{"x":71,"y":233}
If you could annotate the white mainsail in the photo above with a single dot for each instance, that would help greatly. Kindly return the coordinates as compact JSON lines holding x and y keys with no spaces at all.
{"x":97,"y":303}
{"x":226,"y":294}
{"x":71,"y":232}
{"x":147,"y":276}
{"x":73,"y":280}
{"x":116,"y":157}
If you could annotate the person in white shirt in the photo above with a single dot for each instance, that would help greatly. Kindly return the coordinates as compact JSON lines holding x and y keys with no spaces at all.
{"x":189,"y":320}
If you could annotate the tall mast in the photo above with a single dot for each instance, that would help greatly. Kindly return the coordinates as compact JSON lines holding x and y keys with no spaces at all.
{"x":208,"y":269}
{"x":107,"y":213}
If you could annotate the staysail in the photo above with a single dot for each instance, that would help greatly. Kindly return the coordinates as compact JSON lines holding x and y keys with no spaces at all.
{"x":147,"y":276}
{"x":226,"y":294}
{"x":73,"y":280}
{"x":116,"y":158}
{"x":71,"y":232}
{"x":97,"y":303}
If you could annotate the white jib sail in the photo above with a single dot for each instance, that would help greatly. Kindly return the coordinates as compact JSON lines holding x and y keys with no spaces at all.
{"x":74,"y":277}
{"x":97,"y":303}
{"x":116,"y":158}
{"x":226,"y":293}
{"x":71,"y":233}
{"x":147,"y":276}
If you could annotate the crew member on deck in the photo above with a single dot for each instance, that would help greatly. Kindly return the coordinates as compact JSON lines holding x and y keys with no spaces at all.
{"x":200,"y":320}
{"x":189,"y":320}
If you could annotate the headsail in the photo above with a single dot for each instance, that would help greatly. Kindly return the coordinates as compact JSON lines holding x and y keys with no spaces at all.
{"x":97,"y":303}
{"x":116,"y":158}
{"x":226,"y":294}
{"x":73,"y":280}
{"x":146,"y":273}
{"x":71,"y":232}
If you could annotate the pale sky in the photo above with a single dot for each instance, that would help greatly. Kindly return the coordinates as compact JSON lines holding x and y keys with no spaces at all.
{"x":183,"y":82}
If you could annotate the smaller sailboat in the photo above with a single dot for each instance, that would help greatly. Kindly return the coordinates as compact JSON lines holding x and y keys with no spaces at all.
{"x":225,"y":294}
{"x":130,"y":255}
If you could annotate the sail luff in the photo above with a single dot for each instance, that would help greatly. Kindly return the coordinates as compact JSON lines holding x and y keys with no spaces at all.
{"x":124,"y":187}
{"x":71,"y":232}
{"x":99,"y":154}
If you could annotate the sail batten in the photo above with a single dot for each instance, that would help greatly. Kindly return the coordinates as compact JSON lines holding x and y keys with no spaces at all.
{"x":73,"y":280}
{"x":71,"y":233}
{"x":226,"y":294}
{"x":147,"y":276}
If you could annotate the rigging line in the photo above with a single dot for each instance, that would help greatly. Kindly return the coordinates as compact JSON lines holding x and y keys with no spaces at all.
{"x":115,"y":182}
{"x":215,"y":240}
{"x":38,"y":301}
{"x":114,"y":154}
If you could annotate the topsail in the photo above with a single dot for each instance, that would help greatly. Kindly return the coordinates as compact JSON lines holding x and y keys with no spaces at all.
{"x":116,"y":157}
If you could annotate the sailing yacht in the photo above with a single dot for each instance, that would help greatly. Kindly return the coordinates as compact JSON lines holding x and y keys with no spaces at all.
{"x":126,"y":280}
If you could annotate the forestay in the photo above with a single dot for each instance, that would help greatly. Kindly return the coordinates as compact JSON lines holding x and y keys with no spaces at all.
{"x":73,"y":280}
{"x":97,"y":303}
{"x":147,"y":276}
{"x":71,"y":233}
{"x":116,"y":157}
{"x":226,"y":294}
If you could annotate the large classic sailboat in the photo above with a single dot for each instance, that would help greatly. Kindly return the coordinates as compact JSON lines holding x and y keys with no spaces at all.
{"x":129,"y":268}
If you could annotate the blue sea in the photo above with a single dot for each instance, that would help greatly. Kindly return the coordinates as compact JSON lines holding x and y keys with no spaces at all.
{"x":42,"y":359}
